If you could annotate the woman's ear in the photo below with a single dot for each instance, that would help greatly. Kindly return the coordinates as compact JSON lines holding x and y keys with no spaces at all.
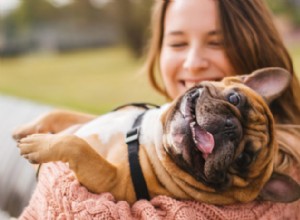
{"x":269,"y":82}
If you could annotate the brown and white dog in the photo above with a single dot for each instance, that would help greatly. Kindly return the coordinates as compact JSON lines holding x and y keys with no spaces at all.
{"x":214,"y":144}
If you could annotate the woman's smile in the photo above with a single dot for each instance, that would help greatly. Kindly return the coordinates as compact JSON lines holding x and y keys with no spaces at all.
{"x":192,"y":49}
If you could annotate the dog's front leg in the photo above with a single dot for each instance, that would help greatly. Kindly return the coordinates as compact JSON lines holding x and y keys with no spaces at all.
{"x":91,"y":169}
{"x":52,"y":122}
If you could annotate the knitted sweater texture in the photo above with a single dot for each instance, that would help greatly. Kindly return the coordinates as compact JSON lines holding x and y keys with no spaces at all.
{"x":60,"y":196}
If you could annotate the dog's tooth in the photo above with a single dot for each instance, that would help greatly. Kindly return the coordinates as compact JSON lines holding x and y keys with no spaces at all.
{"x":200,"y":90}
{"x":183,"y":107}
{"x":192,"y":124}
{"x":195,"y":94}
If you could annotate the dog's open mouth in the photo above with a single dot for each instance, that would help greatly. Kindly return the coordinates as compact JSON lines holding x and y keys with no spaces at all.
{"x":204,"y":141}
{"x":197,"y":136}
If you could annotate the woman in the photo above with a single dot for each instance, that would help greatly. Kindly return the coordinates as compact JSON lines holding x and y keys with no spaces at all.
{"x":190,"y":43}
{"x":212,"y":39}
{"x":196,"y":40}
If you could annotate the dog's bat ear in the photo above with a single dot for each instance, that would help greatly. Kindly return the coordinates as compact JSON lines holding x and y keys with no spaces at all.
{"x":280,"y":188}
{"x":268,"y":82}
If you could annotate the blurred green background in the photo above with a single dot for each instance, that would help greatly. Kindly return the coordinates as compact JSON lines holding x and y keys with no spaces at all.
{"x":95,"y":80}
{"x":86,"y":55}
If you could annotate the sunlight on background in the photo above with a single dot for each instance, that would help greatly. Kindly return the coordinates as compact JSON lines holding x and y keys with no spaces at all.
{"x":87,"y":55}
{"x":84,"y":55}
{"x":76,"y":54}
{"x":60,"y":3}
{"x":6,"y":6}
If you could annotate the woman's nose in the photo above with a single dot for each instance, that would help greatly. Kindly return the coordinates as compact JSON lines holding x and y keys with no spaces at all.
{"x":195,"y":61}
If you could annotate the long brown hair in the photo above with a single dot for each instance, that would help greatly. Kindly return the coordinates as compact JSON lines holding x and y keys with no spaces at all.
{"x":251,"y":42}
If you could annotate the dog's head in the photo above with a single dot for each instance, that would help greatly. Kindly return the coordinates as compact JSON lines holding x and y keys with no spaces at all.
{"x":222,"y":134}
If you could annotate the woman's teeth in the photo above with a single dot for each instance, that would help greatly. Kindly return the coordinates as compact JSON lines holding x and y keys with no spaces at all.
{"x":189,"y":85}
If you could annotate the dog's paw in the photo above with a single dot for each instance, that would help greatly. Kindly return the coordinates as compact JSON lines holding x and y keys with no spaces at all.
{"x":36,"y":148}
{"x":24,"y":131}
{"x":39,"y":125}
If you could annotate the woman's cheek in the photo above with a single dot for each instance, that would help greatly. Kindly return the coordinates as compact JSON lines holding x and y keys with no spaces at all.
{"x":172,"y":61}
{"x":222,"y":62}
{"x":167,"y":65}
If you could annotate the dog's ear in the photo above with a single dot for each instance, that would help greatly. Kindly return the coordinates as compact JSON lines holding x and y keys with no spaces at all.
{"x":268,"y":82}
{"x":280,"y":188}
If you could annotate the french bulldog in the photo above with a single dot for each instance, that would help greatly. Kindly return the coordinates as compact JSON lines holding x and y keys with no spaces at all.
{"x":213,"y":144}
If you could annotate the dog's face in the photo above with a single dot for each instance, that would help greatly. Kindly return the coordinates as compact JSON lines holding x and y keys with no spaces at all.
{"x":221,"y":133}
{"x":217,"y":130}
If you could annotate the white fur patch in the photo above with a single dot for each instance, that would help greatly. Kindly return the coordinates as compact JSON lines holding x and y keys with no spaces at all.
{"x":151,"y":133}
{"x":109,"y":124}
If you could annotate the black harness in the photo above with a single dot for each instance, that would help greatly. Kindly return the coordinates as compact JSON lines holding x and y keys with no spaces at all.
{"x":132,"y":140}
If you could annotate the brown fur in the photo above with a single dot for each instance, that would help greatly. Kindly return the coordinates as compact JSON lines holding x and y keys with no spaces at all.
{"x":102,"y":165}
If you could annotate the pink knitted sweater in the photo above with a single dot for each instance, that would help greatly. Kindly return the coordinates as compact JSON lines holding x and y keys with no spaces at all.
{"x":60,"y":196}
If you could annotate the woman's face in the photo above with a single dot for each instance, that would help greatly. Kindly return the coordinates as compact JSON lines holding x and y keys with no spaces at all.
{"x":192,"y":49}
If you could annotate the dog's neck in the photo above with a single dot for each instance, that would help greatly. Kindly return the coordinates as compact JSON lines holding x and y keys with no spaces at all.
{"x":152,"y":134}
{"x":151,"y":141}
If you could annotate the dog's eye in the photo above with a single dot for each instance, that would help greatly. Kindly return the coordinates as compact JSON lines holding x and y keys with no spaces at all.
{"x":234,"y":99}
{"x":244,"y":159}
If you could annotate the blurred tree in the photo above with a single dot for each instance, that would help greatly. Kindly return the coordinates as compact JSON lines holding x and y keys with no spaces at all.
{"x":133,"y":17}
{"x":291,"y":8}
{"x":128,"y":18}
{"x":32,"y":20}
{"x":18,"y":25}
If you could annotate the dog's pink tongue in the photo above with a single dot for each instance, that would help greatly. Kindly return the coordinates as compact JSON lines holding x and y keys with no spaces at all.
{"x":204,"y":141}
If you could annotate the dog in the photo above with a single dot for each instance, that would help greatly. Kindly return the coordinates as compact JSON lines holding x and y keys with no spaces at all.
{"x":213,"y":144}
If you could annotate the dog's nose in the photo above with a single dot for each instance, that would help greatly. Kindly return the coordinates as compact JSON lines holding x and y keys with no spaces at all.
{"x":230,"y":123}
{"x":232,"y":128}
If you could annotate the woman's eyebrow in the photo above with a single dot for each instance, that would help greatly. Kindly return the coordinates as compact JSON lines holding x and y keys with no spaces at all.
{"x":214,"y":32}
{"x":210,"y":33}
{"x":174,"y":33}
{"x":180,"y":33}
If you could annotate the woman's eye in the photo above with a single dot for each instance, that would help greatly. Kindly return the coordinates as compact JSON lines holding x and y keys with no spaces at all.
{"x":234,"y":99}
{"x":177,"y":45}
{"x":216,"y":43}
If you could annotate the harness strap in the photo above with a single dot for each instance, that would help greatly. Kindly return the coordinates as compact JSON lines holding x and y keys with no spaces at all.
{"x":137,"y":177}
{"x":144,"y":105}
{"x":132,"y":140}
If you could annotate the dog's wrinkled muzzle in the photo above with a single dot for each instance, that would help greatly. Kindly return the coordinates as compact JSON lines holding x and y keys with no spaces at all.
{"x":203,"y":133}
{"x":204,"y":141}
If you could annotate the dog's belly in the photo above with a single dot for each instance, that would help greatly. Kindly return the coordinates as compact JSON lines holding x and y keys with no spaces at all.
{"x":106,"y":134}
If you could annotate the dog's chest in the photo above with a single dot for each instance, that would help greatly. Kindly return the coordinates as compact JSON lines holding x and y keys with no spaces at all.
{"x":106,"y":134}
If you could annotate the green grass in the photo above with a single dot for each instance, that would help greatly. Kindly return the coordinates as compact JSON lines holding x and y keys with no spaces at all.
{"x":294,"y":49}
{"x":93,"y":81}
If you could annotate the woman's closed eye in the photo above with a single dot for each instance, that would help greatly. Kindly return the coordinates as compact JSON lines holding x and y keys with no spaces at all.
{"x":178,"y":44}
{"x":216,"y":43}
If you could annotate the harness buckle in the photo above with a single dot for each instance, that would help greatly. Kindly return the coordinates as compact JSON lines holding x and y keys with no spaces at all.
{"x":132,"y":135}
